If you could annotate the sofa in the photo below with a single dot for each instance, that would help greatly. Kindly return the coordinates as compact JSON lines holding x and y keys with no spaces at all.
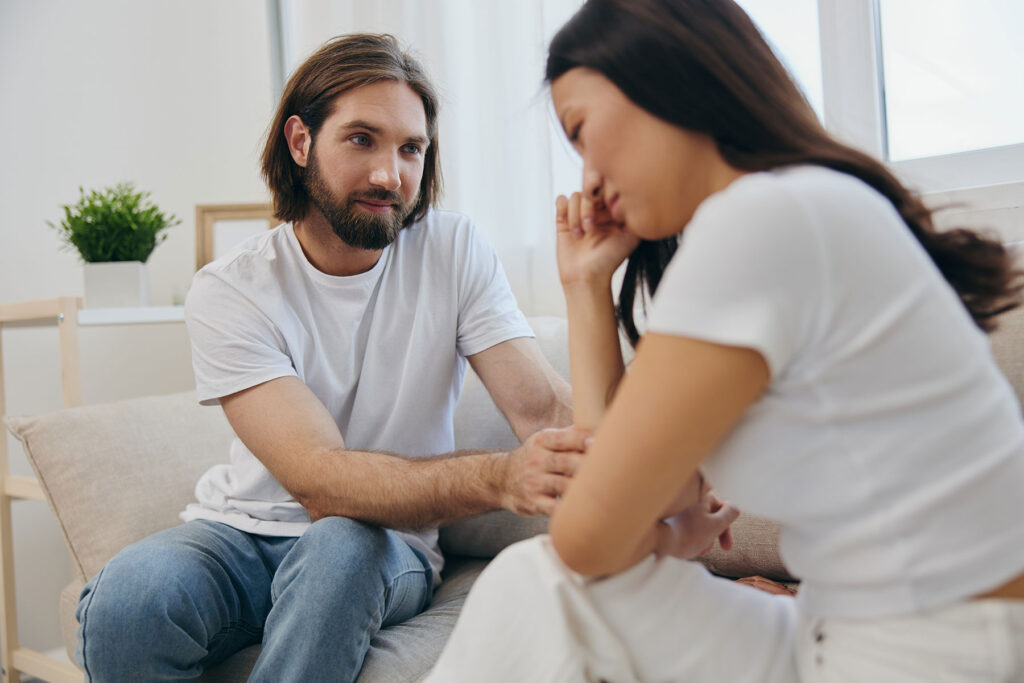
{"x":117,"y":472}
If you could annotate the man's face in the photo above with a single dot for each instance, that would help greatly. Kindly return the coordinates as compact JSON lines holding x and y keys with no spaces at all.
{"x":365,"y":165}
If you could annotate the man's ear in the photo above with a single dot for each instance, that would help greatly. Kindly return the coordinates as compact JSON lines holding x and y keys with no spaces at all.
{"x":296,"y":133}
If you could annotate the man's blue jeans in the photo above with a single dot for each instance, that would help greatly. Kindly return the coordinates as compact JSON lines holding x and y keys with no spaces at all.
{"x":188,"y":597}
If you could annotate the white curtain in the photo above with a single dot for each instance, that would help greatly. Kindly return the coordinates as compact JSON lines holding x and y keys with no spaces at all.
{"x":504,"y":156}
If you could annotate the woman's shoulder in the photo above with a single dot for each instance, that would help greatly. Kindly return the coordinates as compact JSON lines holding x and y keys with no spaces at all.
{"x":791,"y":186}
{"x":794,"y":200}
{"x":751,"y":207}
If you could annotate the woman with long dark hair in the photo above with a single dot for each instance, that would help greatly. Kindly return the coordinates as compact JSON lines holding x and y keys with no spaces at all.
{"x":813,"y":346}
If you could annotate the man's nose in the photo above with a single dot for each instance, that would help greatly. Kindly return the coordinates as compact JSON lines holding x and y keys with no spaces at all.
{"x":385,"y":173}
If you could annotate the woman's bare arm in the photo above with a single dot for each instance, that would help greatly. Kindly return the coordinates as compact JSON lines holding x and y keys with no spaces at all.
{"x":678,"y":402}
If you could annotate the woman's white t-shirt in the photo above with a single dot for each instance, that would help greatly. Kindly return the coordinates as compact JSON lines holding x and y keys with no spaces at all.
{"x":384,"y":351}
{"x":888,"y":444}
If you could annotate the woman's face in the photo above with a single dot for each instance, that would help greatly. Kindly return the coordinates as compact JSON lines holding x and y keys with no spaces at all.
{"x":650,"y":174}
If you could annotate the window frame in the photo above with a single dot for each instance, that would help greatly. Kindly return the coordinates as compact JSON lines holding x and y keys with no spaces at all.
{"x":854,"y":102}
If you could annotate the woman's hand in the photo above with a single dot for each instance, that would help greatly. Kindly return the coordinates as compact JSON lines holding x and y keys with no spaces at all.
{"x":692,"y":532}
{"x":767,"y":585}
{"x":590,"y":244}
{"x":691,"y":492}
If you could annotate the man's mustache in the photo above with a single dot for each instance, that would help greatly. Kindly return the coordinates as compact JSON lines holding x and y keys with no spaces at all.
{"x":378,"y":195}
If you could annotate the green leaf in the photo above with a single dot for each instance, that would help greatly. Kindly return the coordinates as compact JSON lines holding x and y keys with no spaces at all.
{"x":114,"y":224}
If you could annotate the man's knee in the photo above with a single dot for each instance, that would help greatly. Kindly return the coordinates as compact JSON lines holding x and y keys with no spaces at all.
{"x":342,"y":540}
{"x":336,"y":558}
{"x":139,"y":604}
{"x":137,"y":586}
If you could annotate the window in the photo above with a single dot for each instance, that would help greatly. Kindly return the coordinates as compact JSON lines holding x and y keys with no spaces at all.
{"x":792,"y":30}
{"x":953,"y":75}
{"x":931,"y":86}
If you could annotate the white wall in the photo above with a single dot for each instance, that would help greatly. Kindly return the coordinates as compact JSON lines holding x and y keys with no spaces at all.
{"x":174,"y":96}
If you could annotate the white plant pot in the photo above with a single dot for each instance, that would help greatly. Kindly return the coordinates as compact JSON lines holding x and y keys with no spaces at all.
{"x":116,"y":284}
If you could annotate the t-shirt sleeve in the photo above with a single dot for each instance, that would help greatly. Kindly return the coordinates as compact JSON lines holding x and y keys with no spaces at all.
{"x":748,"y":273}
{"x":234,"y":344}
{"x":488,"y":312}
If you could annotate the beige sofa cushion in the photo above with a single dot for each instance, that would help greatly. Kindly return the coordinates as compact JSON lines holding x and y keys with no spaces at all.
{"x":1006,"y":340}
{"x":755,"y":552}
{"x":480,"y":425}
{"x":1008,"y":349}
{"x":115,"y":473}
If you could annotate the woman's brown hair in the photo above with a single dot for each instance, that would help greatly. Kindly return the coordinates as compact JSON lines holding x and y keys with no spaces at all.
{"x":704,"y":66}
{"x":341,"y":64}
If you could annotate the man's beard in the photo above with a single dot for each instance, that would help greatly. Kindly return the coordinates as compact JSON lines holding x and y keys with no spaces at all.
{"x":356,"y":227}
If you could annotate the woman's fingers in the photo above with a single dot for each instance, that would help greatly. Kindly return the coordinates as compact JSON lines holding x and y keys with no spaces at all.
{"x":725,"y":539}
{"x":766,"y":585}
{"x":579,"y":215}
{"x":726,"y":515}
{"x":587,"y":212}
{"x":562,"y":213}
{"x":575,"y":227}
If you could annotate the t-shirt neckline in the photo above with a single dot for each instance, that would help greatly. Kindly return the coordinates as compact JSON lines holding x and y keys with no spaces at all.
{"x":359,"y":280}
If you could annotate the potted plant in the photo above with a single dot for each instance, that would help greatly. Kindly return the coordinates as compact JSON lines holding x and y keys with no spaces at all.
{"x":114,"y":230}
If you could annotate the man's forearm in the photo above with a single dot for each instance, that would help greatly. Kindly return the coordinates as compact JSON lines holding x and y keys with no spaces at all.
{"x":558,"y":412}
{"x":399,"y":492}
{"x":293,"y":435}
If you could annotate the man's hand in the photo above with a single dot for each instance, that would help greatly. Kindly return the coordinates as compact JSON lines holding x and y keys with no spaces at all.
{"x":538,"y":472}
{"x":692,"y":532}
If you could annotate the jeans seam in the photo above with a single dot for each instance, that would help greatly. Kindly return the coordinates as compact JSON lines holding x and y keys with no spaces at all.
{"x":396,"y":577}
{"x":428,"y":577}
{"x":239,"y":625}
{"x":85,"y":616}
{"x":390,"y":591}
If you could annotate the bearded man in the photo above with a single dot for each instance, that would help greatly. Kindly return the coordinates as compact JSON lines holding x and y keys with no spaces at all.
{"x":336,"y":345}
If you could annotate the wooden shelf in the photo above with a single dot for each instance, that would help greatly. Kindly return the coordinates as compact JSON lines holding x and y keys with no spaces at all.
{"x":51,"y":312}
{"x":67,"y":315}
{"x":131,"y":316}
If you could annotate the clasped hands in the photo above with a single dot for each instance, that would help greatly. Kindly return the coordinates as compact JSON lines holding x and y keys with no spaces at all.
{"x":538,"y":473}
{"x":691,"y":523}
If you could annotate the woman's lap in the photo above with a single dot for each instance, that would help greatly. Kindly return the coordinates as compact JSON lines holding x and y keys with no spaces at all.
{"x":531,"y":618}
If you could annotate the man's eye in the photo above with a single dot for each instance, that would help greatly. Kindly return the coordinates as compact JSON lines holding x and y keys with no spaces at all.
{"x":412,"y":149}
{"x":362,"y":140}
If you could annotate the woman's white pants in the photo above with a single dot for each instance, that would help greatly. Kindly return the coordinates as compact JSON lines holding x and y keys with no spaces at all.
{"x":530,"y":619}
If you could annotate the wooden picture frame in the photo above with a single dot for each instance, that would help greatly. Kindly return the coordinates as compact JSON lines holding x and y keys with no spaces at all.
{"x":211,"y":217}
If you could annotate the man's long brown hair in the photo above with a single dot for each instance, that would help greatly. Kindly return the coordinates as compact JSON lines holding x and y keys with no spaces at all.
{"x":703,"y":66}
{"x":341,"y":64}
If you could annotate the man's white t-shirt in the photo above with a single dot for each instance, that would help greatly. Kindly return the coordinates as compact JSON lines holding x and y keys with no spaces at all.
{"x":888,"y":444}
{"x":384,"y":351}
